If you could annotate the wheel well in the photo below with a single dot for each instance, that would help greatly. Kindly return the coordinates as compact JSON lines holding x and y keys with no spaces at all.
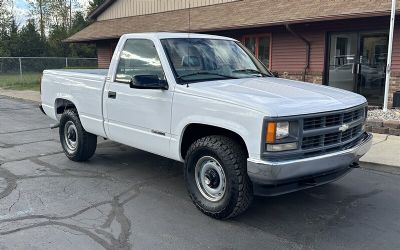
{"x":62,"y":104}
{"x":196,"y":131}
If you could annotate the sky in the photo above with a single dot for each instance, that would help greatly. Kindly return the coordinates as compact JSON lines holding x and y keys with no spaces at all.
{"x":21,"y":10}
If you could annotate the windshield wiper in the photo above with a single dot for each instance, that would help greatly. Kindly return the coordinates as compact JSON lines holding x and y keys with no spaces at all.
{"x":250,"y":71}
{"x":206,"y":73}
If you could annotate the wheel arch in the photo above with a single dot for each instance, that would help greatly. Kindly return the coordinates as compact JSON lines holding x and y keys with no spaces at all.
{"x":195,"y":131}
{"x":62,"y":103}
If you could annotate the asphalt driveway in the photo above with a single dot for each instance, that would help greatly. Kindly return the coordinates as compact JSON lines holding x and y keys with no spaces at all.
{"x":126,"y":198}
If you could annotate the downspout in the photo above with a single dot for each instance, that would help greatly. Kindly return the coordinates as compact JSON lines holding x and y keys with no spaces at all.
{"x":308,"y":50}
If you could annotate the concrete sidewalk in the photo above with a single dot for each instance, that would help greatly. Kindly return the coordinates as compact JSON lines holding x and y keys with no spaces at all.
{"x":385,"y":151}
{"x":22,"y":94}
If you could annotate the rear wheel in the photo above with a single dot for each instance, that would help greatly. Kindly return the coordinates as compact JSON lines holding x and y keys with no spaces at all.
{"x":216,"y":177}
{"x":78,"y":145}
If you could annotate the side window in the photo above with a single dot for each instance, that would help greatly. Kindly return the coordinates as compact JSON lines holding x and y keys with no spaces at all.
{"x":139,"y":57}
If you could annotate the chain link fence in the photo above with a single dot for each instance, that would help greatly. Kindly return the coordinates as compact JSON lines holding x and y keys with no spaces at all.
{"x":25,"y":72}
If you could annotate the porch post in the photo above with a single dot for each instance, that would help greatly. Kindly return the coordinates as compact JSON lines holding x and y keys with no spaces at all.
{"x":389,"y":56}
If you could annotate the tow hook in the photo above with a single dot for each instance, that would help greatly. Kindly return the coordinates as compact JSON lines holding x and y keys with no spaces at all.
{"x":53,"y":126}
{"x":355,"y":165}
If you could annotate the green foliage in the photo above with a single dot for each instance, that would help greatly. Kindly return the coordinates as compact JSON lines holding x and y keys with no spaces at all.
{"x":93,"y":4}
{"x":30,"y":43}
{"x":27,"y":41}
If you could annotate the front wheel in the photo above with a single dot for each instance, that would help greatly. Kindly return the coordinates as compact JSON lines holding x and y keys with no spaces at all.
{"x":216,"y":177}
{"x":78,"y":145}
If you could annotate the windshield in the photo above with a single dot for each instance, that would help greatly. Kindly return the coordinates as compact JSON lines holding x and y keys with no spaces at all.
{"x":201,"y":59}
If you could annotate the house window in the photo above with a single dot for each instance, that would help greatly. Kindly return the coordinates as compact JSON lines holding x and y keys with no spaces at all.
{"x":260,"y":46}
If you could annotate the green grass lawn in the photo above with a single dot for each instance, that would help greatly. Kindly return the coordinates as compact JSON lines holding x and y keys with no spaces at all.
{"x":29,"y":81}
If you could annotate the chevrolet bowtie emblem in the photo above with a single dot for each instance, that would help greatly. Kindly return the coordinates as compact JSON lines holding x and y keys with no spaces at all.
{"x":344,"y":127}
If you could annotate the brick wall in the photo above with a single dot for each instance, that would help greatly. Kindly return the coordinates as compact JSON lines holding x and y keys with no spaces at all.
{"x":105,"y":50}
{"x":313,"y":77}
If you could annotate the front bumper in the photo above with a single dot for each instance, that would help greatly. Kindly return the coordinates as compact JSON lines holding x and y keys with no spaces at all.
{"x":331,"y":166}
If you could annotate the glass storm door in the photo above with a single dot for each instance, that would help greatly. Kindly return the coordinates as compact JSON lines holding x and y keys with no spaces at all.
{"x":357,"y":63}
{"x":372,"y":67}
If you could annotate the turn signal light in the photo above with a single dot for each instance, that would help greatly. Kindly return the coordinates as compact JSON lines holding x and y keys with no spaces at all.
{"x":270,"y":134}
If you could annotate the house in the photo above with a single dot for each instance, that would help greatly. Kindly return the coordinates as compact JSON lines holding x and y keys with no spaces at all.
{"x":338,"y":43}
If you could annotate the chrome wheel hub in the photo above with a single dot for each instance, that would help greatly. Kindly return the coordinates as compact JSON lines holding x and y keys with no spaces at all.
{"x":210,"y":178}
{"x":70,"y":136}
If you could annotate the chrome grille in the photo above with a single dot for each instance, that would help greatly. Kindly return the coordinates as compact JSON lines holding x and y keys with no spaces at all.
{"x":323,"y":133}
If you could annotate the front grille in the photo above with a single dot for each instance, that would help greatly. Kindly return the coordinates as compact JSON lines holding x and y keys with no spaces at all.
{"x":318,"y":141}
{"x":325,"y":133}
{"x":333,"y":119}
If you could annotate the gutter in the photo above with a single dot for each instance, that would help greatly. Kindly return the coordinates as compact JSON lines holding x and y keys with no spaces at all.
{"x":308,"y":50}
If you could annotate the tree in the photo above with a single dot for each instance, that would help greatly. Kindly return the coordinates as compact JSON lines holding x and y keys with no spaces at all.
{"x":93,"y":4}
{"x":41,"y":8}
{"x":55,"y":41}
{"x":30,"y":41}
{"x":14,"y":39}
{"x":80,"y":50}
{"x":5,"y":20}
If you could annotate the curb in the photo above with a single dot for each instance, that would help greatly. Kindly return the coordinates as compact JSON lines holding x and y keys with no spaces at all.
{"x":380,"y":167}
{"x":389,"y":127}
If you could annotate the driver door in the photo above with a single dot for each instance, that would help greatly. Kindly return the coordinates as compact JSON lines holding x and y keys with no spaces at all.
{"x":139,"y":118}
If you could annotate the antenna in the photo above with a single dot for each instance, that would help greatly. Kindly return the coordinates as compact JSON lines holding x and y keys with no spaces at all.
{"x":189,"y":15}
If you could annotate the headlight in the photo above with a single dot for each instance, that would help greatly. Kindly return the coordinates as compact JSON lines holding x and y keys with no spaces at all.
{"x":281,"y":136}
{"x":276,"y":131}
{"x":282,"y":130}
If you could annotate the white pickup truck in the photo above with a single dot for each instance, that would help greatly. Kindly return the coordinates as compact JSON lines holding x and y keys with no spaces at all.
{"x":208,"y":102}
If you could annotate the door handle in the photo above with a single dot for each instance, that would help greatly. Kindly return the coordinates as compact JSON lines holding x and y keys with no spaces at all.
{"x":356,"y":68}
{"x":112,"y":94}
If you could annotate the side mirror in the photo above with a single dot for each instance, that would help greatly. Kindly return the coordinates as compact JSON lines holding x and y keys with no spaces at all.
{"x":147,"y":82}
{"x":275,"y":74}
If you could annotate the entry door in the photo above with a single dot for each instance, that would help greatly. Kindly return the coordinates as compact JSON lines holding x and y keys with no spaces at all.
{"x":372,"y":67}
{"x":139,"y":118}
{"x":357,"y":63}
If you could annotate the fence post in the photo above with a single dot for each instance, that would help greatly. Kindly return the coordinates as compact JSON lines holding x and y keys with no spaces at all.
{"x":66,"y":62}
{"x":20,"y":68}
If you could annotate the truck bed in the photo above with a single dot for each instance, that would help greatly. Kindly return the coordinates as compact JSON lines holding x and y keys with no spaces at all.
{"x":83,"y":87}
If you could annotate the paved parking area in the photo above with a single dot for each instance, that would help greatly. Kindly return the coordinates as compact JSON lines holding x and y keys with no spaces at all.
{"x":129,"y":199}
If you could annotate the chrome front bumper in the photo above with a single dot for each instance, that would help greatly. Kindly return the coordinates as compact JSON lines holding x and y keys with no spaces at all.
{"x":280,"y":172}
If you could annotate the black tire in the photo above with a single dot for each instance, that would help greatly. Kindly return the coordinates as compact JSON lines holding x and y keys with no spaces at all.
{"x":229,"y":155}
{"x":85,"y":143}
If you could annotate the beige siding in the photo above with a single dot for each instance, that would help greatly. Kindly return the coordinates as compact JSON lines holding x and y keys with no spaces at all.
{"x":125,"y":8}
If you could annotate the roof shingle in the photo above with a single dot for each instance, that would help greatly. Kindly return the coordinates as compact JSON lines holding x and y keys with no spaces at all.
{"x":246,"y":13}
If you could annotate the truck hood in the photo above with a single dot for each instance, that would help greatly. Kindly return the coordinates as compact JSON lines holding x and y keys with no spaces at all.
{"x":277,"y":97}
